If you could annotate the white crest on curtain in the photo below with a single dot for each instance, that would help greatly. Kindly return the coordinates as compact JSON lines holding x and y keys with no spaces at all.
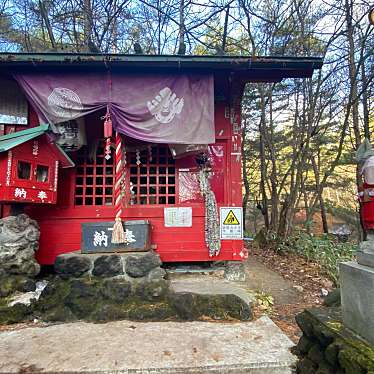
{"x":165,"y":105}
{"x":64,"y":102}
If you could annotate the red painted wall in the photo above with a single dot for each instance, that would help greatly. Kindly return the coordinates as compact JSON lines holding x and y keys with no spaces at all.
{"x":60,"y":225}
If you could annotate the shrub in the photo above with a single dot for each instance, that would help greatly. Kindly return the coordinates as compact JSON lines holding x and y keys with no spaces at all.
{"x":323,"y":249}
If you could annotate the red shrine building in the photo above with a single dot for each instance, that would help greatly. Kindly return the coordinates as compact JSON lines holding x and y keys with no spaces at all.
{"x":112,"y":153}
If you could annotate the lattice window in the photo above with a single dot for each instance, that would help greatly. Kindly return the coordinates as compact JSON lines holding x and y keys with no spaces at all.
{"x":153,"y":181}
{"x":94,"y":178}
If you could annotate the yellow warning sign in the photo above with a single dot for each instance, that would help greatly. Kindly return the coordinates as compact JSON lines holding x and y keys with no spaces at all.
{"x":231,"y":219}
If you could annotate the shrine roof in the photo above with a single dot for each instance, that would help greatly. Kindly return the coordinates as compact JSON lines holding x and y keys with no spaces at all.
{"x":14,"y":139}
{"x":17,"y":138}
{"x":281,"y":66}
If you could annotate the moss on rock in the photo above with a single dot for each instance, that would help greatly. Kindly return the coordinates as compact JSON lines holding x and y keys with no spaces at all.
{"x":331,"y":353}
{"x":157,"y":311}
{"x":325,"y":368}
{"x":304,"y":345}
{"x":100,"y":299}
{"x":345,"y":353}
{"x":151,"y":291}
{"x":15,"y":314}
{"x":323,"y":334}
{"x":315,"y":354}
{"x":11,"y":284}
{"x":306,"y":366}
{"x":191,"y":306}
{"x":84,"y":297}
{"x":115,"y":289}
{"x":53,"y":294}
{"x":222,"y":307}
{"x":108,"y":312}
{"x":306,"y":326}
{"x":347,"y":360}
{"x":60,"y":313}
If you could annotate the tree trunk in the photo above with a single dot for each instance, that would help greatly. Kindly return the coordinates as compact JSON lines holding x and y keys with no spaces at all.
{"x":353,"y":87}
{"x":365,"y":102}
{"x":44,"y":14}
{"x":182,"y":29}
{"x":262,"y":124}
{"x":87,"y":26}
{"x":245,"y":177}
{"x":274,"y":169}
{"x":224,"y":37}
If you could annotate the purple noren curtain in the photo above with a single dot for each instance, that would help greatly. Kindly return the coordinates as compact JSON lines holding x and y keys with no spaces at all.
{"x":175,"y":109}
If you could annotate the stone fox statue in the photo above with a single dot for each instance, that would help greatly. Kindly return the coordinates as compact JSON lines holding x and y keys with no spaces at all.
{"x":19,"y":240}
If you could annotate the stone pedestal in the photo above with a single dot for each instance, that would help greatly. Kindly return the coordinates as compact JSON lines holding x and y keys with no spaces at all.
{"x":365,"y":253}
{"x":357,"y":293}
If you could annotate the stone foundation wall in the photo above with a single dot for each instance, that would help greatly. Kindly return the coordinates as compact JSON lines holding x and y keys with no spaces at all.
{"x":327,"y":347}
{"x":108,"y":287}
{"x":130,"y":266}
{"x":110,"y":299}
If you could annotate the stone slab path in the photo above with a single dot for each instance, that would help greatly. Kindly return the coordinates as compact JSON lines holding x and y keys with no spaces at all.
{"x":133,"y":347}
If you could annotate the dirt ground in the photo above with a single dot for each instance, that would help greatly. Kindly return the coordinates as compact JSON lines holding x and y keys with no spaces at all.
{"x":292,"y":281}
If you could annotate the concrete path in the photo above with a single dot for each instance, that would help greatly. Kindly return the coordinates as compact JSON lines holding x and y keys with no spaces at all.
{"x":131,"y":347}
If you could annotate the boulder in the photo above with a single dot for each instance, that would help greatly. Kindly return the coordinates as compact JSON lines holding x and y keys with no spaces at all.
{"x":156,"y":274}
{"x":72,"y":265}
{"x":325,"y":368}
{"x":333,"y":298}
{"x":15,"y":314}
{"x":53,"y":295}
{"x":304,"y":345}
{"x":315,"y":354}
{"x":152,"y":290}
{"x":60,"y":313}
{"x":184,"y":304}
{"x":107,"y":266}
{"x":108,"y":312}
{"x":305,"y":324}
{"x":13,"y":283}
{"x":155,"y":311}
{"x":19,"y":239}
{"x":348,"y":361}
{"x":116,"y":289}
{"x":137,"y":267}
{"x":192,"y":306}
{"x":306,"y":366}
{"x":331,"y":354}
{"x":83,"y":297}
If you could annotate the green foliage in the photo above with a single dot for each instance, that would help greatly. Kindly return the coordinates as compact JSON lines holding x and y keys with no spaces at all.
{"x":265,"y":301}
{"x":324,"y":249}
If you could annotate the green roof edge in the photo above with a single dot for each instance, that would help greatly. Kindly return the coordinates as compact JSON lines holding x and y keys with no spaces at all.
{"x":38,"y":130}
{"x":30,"y":134}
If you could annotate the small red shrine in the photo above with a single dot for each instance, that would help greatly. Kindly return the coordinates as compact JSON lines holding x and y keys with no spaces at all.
{"x":135,"y":140}
{"x":29,"y":164}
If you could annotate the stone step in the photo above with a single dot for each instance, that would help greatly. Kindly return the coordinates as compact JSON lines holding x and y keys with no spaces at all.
{"x":221,"y":297}
{"x":157,"y":347}
{"x":211,"y":286}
